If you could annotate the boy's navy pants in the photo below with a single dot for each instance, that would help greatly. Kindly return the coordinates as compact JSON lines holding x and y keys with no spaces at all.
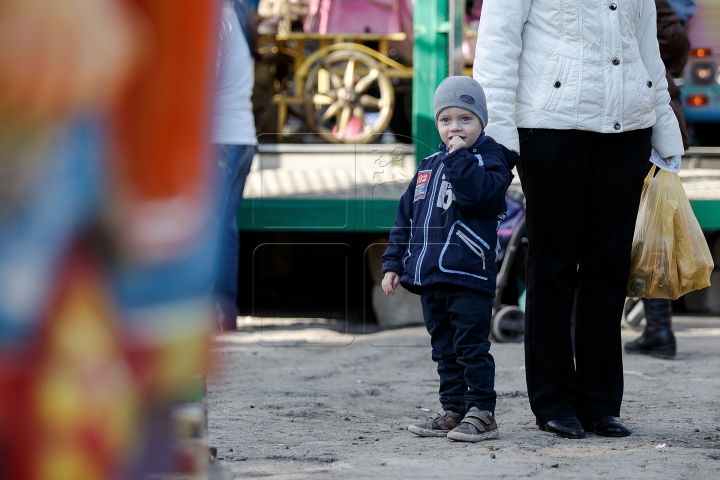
{"x":458,"y":320}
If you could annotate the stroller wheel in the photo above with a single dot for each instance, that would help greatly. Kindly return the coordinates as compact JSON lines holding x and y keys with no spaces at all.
{"x":633,"y":313}
{"x":508,"y":325}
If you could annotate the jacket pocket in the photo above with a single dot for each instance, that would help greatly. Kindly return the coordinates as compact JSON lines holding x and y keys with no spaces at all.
{"x":465,"y":253}
{"x":642,"y":89}
{"x":647,"y":87}
{"x":552,"y":82}
{"x":525,"y":135}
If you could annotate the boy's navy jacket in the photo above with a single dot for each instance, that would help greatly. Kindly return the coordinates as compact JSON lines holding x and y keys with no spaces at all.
{"x":447,"y":220}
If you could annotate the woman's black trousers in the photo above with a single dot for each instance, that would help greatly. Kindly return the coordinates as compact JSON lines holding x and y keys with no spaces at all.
{"x":583,"y":192}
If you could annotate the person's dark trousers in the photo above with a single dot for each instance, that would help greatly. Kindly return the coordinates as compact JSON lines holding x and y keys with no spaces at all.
{"x":582,"y":191}
{"x":658,"y":312}
{"x":458,"y":320}
{"x":234,"y":163}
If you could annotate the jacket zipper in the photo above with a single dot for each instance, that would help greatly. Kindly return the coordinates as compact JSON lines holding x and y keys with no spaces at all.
{"x":431,"y":204}
{"x":473,"y":246}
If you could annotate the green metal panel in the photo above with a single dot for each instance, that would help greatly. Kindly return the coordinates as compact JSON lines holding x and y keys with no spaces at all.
{"x":307,"y":215}
{"x":707,"y":213}
{"x":319,"y":215}
{"x":430,"y":67}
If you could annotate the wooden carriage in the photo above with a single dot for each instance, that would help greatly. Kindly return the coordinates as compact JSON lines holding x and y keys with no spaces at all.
{"x":340,"y":85}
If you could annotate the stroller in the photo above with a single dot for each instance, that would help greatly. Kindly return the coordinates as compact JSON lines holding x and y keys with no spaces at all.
{"x":508,"y":322}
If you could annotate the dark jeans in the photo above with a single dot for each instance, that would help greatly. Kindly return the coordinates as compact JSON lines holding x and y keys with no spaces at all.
{"x":583,"y":192}
{"x":458,"y":320}
{"x":234,"y":163}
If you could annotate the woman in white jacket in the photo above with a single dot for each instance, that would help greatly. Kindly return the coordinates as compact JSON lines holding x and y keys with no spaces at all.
{"x":578,"y":88}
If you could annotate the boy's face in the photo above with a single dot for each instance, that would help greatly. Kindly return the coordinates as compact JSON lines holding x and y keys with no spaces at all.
{"x":458,"y":122}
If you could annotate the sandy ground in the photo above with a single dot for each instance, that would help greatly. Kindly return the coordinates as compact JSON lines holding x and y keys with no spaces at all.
{"x":293,"y":400}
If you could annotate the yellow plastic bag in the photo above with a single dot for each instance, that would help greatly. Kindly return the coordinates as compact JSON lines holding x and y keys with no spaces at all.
{"x":670,"y":256}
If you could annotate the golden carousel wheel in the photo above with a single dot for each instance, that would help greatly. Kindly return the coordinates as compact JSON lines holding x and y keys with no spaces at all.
{"x":348,"y":97}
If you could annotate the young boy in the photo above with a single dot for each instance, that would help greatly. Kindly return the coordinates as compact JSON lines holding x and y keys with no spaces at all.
{"x":443,"y":247}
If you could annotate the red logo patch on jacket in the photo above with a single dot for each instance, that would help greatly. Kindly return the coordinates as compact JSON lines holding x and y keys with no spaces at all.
{"x":423,"y":179}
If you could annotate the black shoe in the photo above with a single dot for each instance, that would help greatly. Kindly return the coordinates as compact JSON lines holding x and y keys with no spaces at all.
{"x":566,"y":427}
{"x":658,"y":342}
{"x":607,"y":427}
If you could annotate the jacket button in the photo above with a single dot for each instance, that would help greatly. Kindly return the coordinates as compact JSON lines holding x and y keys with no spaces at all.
{"x":649,"y":84}
{"x":557,"y":84}
{"x":617,"y":126}
{"x":616,"y":61}
{"x":613,"y":6}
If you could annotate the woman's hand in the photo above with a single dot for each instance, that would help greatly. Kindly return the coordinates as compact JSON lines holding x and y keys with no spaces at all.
{"x":390,"y":283}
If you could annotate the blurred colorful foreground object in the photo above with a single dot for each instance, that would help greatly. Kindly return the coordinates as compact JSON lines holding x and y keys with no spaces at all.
{"x":106,"y":240}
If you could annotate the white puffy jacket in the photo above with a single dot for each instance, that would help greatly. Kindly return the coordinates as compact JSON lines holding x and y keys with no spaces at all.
{"x":574,"y":64}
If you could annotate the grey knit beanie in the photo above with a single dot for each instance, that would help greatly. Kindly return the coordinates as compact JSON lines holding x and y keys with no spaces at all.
{"x":463,"y":92}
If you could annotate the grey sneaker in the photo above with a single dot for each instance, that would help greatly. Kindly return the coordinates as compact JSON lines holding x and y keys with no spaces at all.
{"x":475,"y":426}
{"x":437,"y":426}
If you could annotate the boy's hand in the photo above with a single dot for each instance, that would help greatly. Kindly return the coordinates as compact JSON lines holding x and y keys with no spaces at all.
{"x":455,"y":143}
{"x":390,"y":282}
